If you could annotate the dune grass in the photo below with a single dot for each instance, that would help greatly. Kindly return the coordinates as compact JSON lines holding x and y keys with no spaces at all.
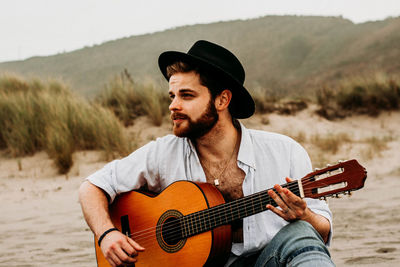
{"x":129,"y":100}
{"x":45,"y":115}
{"x":330,"y":143}
{"x":360,"y":95}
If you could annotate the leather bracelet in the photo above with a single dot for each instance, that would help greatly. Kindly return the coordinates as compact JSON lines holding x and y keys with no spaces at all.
{"x":104,"y":234}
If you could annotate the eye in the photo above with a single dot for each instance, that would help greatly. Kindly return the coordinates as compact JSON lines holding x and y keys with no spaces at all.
{"x":187,"y":95}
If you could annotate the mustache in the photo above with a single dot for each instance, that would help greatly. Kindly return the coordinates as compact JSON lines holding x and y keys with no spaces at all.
{"x":177,"y":116}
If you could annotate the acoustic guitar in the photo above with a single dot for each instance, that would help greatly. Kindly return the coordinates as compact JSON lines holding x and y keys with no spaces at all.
{"x":188,"y":223}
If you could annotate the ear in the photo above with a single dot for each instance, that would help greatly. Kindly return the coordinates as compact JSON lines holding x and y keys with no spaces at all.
{"x":223,"y":99}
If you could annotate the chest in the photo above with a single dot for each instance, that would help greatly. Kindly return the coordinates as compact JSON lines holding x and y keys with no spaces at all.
{"x":230,"y":179}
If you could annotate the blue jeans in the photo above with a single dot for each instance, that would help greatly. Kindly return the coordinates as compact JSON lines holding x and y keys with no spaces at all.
{"x":297,"y":244}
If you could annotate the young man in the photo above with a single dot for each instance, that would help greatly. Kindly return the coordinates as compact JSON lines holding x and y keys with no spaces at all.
{"x":210,"y":145}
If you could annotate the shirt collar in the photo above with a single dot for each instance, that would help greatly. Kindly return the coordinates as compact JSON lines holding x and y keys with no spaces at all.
{"x":246,"y":151}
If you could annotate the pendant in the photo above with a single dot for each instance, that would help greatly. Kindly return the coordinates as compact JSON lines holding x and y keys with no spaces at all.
{"x":216,"y":182}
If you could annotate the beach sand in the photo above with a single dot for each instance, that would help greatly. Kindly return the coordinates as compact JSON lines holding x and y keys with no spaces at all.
{"x":42,"y":225}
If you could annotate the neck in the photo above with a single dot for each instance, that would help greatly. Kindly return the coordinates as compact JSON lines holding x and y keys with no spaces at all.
{"x":218,"y":143}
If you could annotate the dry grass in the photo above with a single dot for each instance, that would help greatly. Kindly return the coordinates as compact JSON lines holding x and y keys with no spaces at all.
{"x":330,"y":143}
{"x":39,"y":115}
{"x":268,"y":102}
{"x":128,"y":100}
{"x":360,"y":95}
{"x":375,"y":146}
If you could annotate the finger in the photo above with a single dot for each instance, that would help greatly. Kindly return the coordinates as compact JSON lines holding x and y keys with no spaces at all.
{"x":128,"y":249}
{"x":123,"y":257}
{"x":277,"y":211}
{"x":289,"y":179}
{"x":113,"y":260}
{"x":296,"y":205}
{"x":281,"y":191}
{"x":292,"y":198}
{"x":135,"y":245}
{"x":278,"y":200}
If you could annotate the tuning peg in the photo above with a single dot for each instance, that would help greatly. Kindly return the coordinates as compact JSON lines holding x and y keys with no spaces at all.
{"x":341,"y":160}
{"x":337,"y":196}
{"x":322,"y":198}
{"x":317,"y":169}
{"x":349,"y":193}
{"x":328,"y":165}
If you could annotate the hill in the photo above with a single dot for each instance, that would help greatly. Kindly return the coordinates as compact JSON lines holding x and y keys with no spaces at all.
{"x":285,"y":54}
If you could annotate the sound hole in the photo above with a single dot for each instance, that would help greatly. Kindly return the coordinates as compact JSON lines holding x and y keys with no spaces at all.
{"x":171,"y":231}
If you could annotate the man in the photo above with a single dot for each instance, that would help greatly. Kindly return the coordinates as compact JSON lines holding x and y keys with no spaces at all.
{"x":210,"y":145}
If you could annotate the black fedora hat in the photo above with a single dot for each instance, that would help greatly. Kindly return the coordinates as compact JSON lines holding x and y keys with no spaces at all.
{"x":223,"y":63}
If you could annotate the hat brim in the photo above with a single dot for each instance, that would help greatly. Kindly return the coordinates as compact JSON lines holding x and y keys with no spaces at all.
{"x":242,"y":104}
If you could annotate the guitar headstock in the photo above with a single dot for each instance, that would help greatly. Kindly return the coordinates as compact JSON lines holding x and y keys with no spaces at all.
{"x":341,"y":178}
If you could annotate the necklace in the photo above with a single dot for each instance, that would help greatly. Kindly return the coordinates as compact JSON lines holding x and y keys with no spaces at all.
{"x":216,"y":178}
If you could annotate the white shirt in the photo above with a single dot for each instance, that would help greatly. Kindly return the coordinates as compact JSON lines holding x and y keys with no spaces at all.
{"x":266,"y":159}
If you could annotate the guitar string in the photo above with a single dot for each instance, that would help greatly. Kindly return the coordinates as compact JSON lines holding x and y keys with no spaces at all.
{"x":173,"y":234}
{"x":177,"y":231}
{"x":288,"y":185}
{"x":228,"y":205}
{"x":292,"y":185}
{"x":202,"y":216}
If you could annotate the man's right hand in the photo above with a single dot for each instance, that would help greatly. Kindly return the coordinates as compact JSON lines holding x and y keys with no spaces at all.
{"x":120,"y":250}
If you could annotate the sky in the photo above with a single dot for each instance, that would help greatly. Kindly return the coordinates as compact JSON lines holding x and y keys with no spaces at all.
{"x":46,"y":27}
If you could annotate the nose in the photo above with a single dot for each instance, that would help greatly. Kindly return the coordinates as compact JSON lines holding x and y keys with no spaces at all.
{"x":175,"y":104}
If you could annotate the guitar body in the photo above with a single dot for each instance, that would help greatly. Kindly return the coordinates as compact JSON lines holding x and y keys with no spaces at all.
{"x":188,"y":224}
{"x":142,"y":216}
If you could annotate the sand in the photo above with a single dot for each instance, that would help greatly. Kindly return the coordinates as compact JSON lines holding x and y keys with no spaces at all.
{"x":42,"y":225}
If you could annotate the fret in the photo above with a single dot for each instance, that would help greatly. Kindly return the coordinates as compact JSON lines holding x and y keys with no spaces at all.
{"x":183,"y":227}
{"x":238,"y":209}
{"x":252,"y":205}
{"x":215,"y":222}
{"x":230,"y":207}
{"x":245,"y":210}
{"x":191,"y":224}
{"x":195,"y":221}
{"x":261,"y":204}
{"x":206,"y":216}
{"x":266,"y":200}
{"x":226,"y":218}
{"x":208,"y":219}
{"x":200,"y":221}
{"x":205,"y":220}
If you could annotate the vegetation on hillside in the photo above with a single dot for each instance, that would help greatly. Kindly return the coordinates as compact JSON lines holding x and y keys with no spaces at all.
{"x":37,"y":115}
{"x":360,"y":95}
{"x":128,"y":99}
{"x":290,"y":55}
{"x":46,"y":115}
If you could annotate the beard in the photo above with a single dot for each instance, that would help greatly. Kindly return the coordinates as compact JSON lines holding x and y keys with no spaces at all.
{"x":198,"y":128}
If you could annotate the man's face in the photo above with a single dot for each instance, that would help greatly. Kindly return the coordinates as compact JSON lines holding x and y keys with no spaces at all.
{"x":192,"y":109}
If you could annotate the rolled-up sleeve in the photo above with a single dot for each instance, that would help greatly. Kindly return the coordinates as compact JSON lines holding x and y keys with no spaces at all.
{"x":132,"y":172}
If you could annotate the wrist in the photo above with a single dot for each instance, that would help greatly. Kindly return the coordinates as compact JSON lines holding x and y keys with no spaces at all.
{"x":105,"y":233}
{"x":307,"y":215}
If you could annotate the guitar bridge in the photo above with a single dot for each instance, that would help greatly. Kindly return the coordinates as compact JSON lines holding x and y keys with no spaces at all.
{"x":125,"y":229}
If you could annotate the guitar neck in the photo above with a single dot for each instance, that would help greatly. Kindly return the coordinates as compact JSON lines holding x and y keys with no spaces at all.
{"x":208,"y":219}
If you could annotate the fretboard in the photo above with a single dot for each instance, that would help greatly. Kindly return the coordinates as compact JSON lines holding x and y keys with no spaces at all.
{"x":208,"y":219}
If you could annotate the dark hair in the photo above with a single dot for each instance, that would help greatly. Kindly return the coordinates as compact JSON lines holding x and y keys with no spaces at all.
{"x":207,"y":79}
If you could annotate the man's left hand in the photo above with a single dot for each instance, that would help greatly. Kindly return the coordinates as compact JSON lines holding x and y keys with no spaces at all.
{"x":291,"y":206}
